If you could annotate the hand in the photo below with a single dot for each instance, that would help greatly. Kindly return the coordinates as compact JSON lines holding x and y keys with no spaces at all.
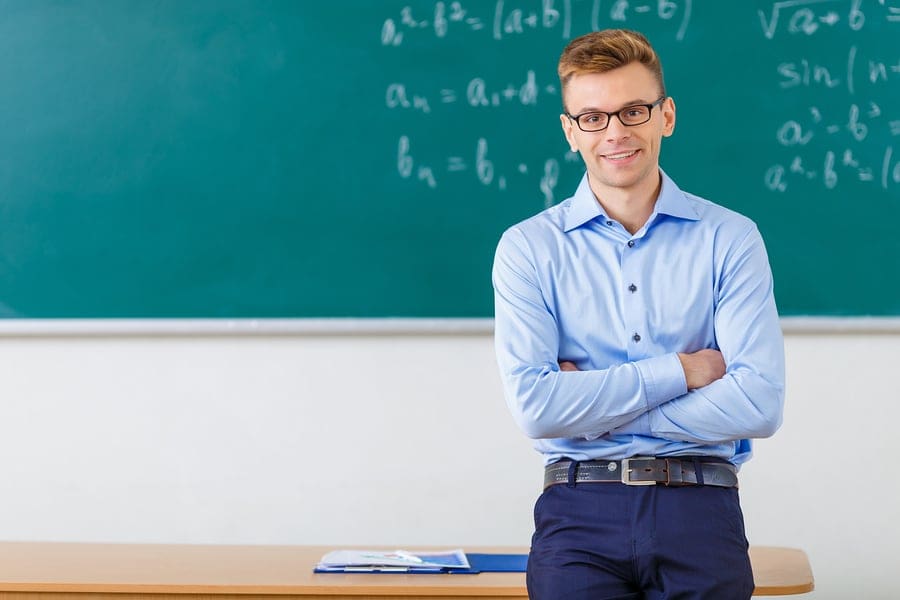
{"x":567,"y":365}
{"x":702,"y":368}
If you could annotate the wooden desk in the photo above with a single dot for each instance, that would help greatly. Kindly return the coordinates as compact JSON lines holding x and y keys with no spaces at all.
{"x":57,"y":571}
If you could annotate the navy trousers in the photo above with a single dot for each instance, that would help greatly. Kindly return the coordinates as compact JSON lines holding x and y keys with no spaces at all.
{"x":605,"y":541}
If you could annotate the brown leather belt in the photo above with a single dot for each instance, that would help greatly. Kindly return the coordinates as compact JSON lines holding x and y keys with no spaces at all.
{"x":642,"y":470}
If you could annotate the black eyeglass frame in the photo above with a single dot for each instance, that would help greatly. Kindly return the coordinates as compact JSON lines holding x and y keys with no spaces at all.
{"x":617,"y":114}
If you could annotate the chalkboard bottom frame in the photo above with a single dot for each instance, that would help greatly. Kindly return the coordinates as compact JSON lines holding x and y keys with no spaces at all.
{"x":359,"y":327}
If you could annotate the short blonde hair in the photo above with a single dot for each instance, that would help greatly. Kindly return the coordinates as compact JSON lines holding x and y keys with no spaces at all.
{"x":603,"y":51}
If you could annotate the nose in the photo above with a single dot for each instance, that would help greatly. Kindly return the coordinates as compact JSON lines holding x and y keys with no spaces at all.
{"x":616,"y":130}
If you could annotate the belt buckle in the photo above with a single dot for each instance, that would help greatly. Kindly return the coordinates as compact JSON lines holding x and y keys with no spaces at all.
{"x":626,"y":470}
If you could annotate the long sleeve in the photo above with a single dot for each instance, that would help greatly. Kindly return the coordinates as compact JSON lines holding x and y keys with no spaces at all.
{"x":549,"y":403}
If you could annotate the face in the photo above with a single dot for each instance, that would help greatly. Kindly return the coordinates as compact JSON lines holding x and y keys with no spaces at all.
{"x":619,"y":159}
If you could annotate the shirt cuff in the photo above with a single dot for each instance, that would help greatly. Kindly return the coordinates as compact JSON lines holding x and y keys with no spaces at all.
{"x":663,"y":378}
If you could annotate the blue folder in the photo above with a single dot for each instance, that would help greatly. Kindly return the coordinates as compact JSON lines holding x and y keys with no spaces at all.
{"x":497,"y":563}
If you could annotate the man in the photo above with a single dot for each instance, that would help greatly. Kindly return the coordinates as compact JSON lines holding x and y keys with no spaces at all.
{"x":636,"y":320}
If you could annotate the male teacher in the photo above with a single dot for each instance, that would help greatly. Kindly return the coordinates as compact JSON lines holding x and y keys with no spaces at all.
{"x":639,"y":347}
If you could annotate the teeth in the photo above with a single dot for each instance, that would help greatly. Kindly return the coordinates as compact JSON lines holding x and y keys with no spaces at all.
{"x":622,"y":155}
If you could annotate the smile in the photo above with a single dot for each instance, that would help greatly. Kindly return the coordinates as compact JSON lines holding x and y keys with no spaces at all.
{"x":620,"y":155}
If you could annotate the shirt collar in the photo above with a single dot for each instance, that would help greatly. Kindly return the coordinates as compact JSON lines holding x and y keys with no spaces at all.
{"x":671,"y":201}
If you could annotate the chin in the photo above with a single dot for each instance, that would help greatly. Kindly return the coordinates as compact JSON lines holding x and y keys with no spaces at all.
{"x":631,"y":178}
{"x":621,"y":181}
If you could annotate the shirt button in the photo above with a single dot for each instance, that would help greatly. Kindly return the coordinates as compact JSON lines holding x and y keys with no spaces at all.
{"x":632,"y":288}
{"x":631,"y":243}
{"x":636,"y":337}
{"x":609,"y":222}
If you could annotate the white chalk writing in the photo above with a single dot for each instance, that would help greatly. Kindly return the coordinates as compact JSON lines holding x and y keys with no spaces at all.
{"x":831,"y":145}
{"x":833,"y":117}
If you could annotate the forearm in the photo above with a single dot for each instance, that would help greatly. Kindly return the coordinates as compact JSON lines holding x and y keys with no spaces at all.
{"x":741,"y":405}
{"x":549,"y":403}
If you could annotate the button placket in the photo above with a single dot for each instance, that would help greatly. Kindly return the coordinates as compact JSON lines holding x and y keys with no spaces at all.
{"x":634,"y":304}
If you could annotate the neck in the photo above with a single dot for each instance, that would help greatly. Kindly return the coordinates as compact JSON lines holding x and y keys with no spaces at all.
{"x":629,"y":206}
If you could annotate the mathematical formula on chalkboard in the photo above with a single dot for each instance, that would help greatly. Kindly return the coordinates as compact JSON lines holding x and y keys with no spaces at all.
{"x":860,"y":78}
{"x":847,"y":134}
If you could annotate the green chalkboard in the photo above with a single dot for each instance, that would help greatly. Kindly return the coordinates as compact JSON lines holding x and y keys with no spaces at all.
{"x":354,"y":158}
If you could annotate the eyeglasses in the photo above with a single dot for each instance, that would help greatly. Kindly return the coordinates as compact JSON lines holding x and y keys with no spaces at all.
{"x":597,"y":120}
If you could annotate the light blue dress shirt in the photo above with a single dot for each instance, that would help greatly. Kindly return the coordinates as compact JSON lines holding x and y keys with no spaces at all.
{"x":572,"y":284}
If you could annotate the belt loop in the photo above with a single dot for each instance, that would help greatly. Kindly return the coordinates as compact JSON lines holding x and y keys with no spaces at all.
{"x":573,"y":469}
{"x":698,"y":469}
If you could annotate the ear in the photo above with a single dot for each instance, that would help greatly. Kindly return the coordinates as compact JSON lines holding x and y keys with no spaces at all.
{"x":668,"y":111}
{"x":569,"y":131}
